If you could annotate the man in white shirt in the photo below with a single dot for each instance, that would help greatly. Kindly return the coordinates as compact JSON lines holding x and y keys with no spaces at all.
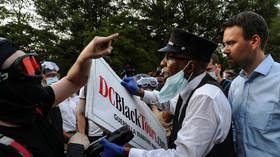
{"x":68,"y":109}
{"x":94,"y":132}
{"x":202,"y":114}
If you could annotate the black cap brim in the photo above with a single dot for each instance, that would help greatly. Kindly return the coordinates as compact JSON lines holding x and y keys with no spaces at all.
{"x":169,"y":48}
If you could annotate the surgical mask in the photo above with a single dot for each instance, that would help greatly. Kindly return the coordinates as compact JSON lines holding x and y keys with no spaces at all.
{"x":173,"y":85}
{"x":213,"y":74}
{"x":51,"y":80}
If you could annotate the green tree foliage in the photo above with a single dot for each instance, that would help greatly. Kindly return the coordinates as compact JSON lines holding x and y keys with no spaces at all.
{"x":134,"y":46}
{"x":74,"y":21}
{"x":144,"y":26}
{"x":273,"y":45}
{"x":16,"y":26}
{"x":201,"y":17}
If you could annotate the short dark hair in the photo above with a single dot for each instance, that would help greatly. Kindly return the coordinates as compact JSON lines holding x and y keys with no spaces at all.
{"x":215,"y":58}
{"x":251,"y":23}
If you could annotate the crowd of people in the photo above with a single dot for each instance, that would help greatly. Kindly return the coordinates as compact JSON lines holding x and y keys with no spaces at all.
{"x":203,"y":113}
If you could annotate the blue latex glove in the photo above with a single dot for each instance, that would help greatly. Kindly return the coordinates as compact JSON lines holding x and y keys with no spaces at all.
{"x":111,"y":149}
{"x":130,"y":84}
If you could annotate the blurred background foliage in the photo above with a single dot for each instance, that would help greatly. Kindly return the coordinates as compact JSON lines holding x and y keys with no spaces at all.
{"x":58,"y":30}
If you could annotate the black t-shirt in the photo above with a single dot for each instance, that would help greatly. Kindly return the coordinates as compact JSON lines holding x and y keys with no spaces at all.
{"x":40,"y":137}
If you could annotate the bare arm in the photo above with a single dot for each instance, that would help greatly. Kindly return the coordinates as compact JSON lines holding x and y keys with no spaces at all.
{"x":77,"y":76}
{"x":81,"y":120}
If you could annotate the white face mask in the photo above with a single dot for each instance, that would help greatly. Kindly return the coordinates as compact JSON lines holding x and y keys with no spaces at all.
{"x":173,"y":85}
{"x":213,"y":74}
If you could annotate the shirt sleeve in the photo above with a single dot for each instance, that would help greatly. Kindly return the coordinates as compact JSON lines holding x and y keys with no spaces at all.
{"x":82,"y":93}
{"x":199,"y":132}
{"x":152,"y":97}
{"x":48,"y":100}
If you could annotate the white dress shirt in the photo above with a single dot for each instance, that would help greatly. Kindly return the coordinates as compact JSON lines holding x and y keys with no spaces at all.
{"x":93,"y":129}
{"x":207,"y":121}
{"x":68,"y":109}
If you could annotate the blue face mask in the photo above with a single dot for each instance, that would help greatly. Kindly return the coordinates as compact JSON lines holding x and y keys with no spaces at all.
{"x":51,"y":80}
{"x":173,"y":85}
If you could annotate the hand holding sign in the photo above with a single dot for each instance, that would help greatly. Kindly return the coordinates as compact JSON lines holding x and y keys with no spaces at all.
{"x":130,"y":85}
{"x":111,"y":149}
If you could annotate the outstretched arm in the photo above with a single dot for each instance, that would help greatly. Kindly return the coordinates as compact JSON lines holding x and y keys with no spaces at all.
{"x":77,"y":76}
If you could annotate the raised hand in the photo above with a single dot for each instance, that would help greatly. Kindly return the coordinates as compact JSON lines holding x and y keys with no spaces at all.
{"x":99,"y":47}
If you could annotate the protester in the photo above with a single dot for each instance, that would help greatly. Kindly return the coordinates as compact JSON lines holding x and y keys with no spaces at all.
{"x":65,"y":113}
{"x":128,"y":71}
{"x":214,"y":70}
{"x":86,"y":126}
{"x":226,"y":148}
{"x":25,"y":102}
{"x":50,"y":73}
{"x":160,"y":80}
{"x":254,"y":94}
{"x":229,"y":74}
{"x":68,"y":109}
{"x":50,"y":76}
{"x":205,"y":115}
{"x":150,"y":84}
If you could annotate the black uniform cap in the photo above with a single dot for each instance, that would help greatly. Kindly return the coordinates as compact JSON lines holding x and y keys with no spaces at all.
{"x":184,"y":42}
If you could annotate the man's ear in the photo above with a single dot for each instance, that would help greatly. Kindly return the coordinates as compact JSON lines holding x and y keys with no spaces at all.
{"x":255,"y":41}
{"x":192,"y":66}
{"x":219,"y":67}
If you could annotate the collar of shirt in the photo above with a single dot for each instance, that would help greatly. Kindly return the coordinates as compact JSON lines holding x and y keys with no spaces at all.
{"x":185,"y":93}
{"x":262,"y":69}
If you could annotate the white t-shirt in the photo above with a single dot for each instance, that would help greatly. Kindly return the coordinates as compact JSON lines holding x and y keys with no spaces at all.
{"x":68,"y":110}
{"x":93,"y":129}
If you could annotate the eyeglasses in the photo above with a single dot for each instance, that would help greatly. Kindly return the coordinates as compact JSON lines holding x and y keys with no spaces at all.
{"x":146,"y":81}
{"x":169,"y":57}
{"x":26,"y":66}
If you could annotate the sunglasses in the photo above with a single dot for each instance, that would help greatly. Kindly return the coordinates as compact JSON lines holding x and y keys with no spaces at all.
{"x":146,"y":81}
{"x":26,"y":66}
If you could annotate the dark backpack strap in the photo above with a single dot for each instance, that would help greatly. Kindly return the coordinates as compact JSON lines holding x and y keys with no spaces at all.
{"x":206,"y":80}
{"x":14,"y":146}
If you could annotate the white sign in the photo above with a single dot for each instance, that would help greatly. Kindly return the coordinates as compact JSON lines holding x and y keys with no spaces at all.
{"x":111,"y":106}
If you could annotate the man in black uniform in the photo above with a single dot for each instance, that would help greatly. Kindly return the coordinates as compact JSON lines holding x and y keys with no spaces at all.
{"x":202,"y":113}
{"x":25,"y":102}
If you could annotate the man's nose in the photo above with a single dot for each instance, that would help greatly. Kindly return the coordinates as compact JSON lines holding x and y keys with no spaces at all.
{"x":163,"y":62}
{"x":226,"y":50}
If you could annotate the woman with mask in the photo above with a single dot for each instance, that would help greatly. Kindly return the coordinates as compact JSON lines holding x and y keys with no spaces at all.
{"x":25,"y":102}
